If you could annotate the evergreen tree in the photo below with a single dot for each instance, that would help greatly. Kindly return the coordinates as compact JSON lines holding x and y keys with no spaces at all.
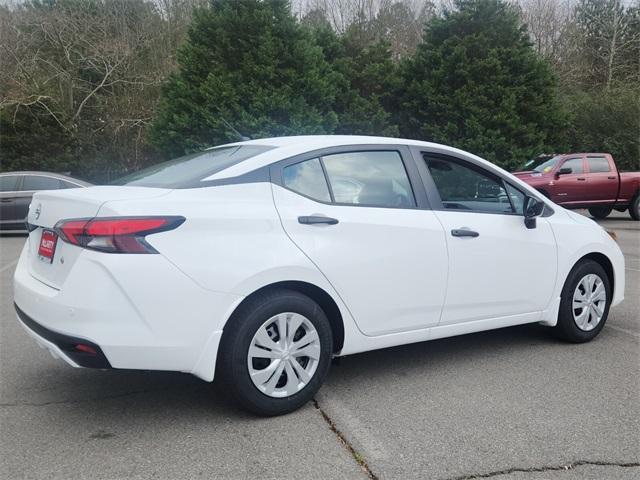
{"x":247,"y":64}
{"x":367,"y":79}
{"x":476,"y":83}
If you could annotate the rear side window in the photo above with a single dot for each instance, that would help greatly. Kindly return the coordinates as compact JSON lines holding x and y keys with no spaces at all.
{"x":369,"y":178}
{"x":9,"y":183}
{"x":307,"y":179}
{"x":598,"y":164}
{"x":467,"y":189}
{"x":38,"y":182}
{"x":187,"y":171}
{"x":575,"y":164}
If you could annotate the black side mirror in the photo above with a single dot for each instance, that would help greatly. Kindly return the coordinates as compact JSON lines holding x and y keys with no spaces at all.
{"x":532,"y":208}
{"x":564,"y":171}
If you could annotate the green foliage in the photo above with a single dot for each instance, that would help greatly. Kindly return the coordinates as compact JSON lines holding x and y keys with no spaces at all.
{"x":607,"y":122}
{"x":476,"y":83}
{"x":32,"y":140}
{"x":80,"y":83}
{"x":248,"y":63}
{"x":367,"y":77}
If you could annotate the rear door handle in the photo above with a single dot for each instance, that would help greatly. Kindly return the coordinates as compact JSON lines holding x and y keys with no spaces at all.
{"x":612,"y":178}
{"x":317,"y":220}
{"x":464,"y":232}
{"x":6,"y":200}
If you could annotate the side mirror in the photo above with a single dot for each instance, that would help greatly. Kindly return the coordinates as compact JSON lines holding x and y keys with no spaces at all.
{"x":564,"y":171}
{"x":532,"y":208}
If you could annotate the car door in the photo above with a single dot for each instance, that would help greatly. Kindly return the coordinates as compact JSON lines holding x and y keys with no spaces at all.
{"x":569,"y":188}
{"x":497,"y":266}
{"x":603,"y":180}
{"x":360,"y":214}
{"x":9,"y":185}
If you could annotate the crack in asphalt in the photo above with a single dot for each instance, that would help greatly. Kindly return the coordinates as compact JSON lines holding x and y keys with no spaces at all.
{"x":550,"y":468}
{"x":360,"y":460}
{"x":86,"y":400}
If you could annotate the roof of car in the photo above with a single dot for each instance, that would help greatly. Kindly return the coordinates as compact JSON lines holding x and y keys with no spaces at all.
{"x":48,"y":174}
{"x":319,"y":141}
{"x":286,"y":147}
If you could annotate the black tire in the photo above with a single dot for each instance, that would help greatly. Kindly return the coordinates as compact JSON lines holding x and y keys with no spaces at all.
{"x":600,"y":213}
{"x":634,"y":208}
{"x":567,"y":327}
{"x":237,"y":337}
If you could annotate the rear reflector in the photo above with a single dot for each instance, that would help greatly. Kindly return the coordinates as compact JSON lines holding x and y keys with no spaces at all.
{"x":115,"y":234}
{"x":86,"y":349}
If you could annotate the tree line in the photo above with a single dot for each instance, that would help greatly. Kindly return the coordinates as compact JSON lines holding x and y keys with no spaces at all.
{"x":98,"y":88}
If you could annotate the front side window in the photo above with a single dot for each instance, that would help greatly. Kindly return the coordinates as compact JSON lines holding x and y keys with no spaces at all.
{"x":548,"y":165}
{"x":307,"y":179}
{"x":8,"y":183}
{"x":38,"y":182}
{"x":598,"y":164}
{"x":468,"y":189}
{"x":373,"y":178}
{"x":517,"y":198}
{"x":575,"y":164}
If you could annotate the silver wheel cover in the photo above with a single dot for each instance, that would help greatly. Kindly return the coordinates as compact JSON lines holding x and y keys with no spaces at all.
{"x":589,"y":302}
{"x":283,"y":355}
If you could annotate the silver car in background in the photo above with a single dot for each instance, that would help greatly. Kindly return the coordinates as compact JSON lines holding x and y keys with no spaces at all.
{"x":16,"y":190}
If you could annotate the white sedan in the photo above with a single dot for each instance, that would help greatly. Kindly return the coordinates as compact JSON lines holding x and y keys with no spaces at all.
{"x":259,"y":261}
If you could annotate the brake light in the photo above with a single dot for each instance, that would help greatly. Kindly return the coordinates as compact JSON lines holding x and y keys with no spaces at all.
{"x":115,"y":234}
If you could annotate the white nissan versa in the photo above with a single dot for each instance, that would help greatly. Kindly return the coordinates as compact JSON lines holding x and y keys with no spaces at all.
{"x":259,"y":261}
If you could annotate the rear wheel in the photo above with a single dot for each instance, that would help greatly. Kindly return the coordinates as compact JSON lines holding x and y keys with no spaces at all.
{"x":276,"y":352}
{"x":634,"y":208}
{"x":600,"y":212}
{"x":584,"y":304}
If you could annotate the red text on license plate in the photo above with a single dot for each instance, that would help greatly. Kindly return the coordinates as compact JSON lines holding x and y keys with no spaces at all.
{"x":47,"y":245}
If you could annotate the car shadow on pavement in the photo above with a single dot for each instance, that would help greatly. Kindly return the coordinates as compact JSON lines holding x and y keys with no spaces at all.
{"x":178,"y":395}
{"x":448,"y":353}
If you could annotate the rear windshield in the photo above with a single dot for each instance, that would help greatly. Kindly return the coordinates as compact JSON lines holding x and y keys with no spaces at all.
{"x":188,"y":170}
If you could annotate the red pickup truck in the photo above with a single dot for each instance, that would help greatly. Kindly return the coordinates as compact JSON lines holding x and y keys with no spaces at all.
{"x":587,"y":180}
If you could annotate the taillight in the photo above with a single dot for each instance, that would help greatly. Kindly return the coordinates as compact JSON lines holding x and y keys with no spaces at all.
{"x":115,"y":234}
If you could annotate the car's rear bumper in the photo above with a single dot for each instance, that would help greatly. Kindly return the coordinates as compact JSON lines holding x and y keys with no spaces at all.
{"x":77,"y":352}
{"x":140,"y":311}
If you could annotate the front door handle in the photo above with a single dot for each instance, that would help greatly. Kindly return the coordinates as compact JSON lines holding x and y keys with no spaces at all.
{"x":581,"y":179}
{"x":464,"y":232}
{"x":6,"y":200}
{"x":317,"y":220}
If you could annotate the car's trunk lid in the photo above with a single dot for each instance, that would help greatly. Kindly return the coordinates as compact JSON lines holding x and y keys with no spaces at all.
{"x":49,"y":207}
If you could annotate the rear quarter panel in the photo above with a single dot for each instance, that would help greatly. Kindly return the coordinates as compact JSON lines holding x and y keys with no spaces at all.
{"x":231,"y":242}
{"x":629,"y":186}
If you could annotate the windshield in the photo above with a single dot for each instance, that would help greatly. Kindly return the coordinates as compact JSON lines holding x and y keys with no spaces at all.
{"x":548,"y":165}
{"x":186,"y":171}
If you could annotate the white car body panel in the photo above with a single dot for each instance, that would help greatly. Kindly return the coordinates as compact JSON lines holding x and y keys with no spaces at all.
{"x":396,"y":275}
{"x":493,"y":275}
{"x":397,"y":260}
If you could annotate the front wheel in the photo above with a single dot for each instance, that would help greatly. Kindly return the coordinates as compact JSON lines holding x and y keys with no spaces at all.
{"x":600,"y":212}
{"x":584,"y":303}
{"x":276,"y":352}
{"x":634,"y":208}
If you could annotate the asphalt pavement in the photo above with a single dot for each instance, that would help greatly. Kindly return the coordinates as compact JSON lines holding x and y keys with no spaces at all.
{"x":510,"y":404}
